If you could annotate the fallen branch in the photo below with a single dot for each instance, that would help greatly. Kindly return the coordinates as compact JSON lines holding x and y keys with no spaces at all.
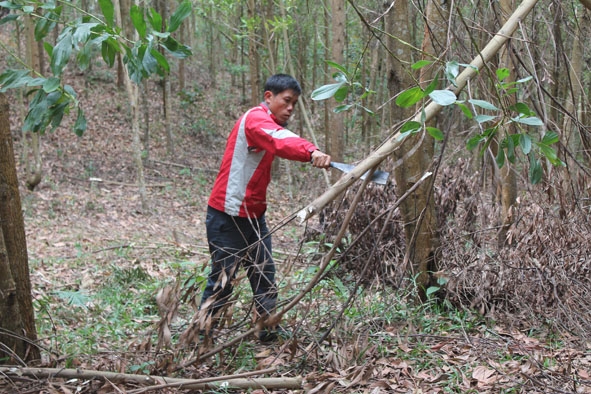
{"x":239,"y":381}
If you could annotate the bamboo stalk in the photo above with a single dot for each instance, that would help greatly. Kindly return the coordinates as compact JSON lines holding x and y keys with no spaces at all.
{"x":432,"y":109}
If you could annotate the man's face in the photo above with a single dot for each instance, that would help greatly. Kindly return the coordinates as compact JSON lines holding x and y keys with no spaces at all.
{"x":282,"y":104}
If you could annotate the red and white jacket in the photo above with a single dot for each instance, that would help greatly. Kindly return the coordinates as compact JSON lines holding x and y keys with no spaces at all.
{"x":240,"y":188}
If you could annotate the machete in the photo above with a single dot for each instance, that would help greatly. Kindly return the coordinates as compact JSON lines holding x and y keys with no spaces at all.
{"x":379,"y":177}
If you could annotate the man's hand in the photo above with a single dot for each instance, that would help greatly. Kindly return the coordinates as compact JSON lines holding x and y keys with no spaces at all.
{"x":320,"y":159}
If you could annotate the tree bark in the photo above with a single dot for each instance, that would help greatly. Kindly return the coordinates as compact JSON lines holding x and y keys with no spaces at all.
{"x":133,"y":94}
{"x":508,"y":181}
{"x":336,"y":121}
{"x":10,"y":317}
{"x":253,"y":57}
{"x":32,"y":146}
{"x":15,"y":244}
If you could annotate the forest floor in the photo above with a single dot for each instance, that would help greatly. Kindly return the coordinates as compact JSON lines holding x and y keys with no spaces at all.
{"x":98,"y":259}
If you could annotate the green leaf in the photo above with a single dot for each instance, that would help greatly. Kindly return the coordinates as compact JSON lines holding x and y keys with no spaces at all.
{"x":410,"y":127}
{"x":341,"y":94}
{"x":337,"y":66}
{"x":535,"y":170}
{"x":420,"y":64}
{"x":526,"y":79}
{"x":342,"y":108}
{"x":525,"y":143}
{"x":483,"y":104}
{"x":500,"y":159}
{"x":326,"y":91}
{"x":473,"y":142}
{"x":432,"y":86}
{"x":149,"y":62}
{"x":410,"y":97}
{"x":10,"y":5}
{"x":51,"y":84}
{"x":108,"y":11}
{"x":549,"y":153}
{"x":522,"y":108}
{"x":183,"y":11}
{"x":155,"y":19}
{"x":162,"y":62}
{"x":61,"y":52}
{"x":430,"y":290}
{"x":531,"y":121}
{"x":109,"y":49}
{"x":11,"y":79}
{"x":502,"y":73}
{"x":511,"y":149}
{"x":550,"y":138}
{"x":465,"y":109}
{"x":137,"y":18}
{"x":80,"y":125}
{"x":8,"y":18}
{"x":83,"y":32}
{"x":452,"y":69}
{"x":443,"y":97}
{"x":435,"y":133}
{"x":175,"y":49}
{"x":484,"y":118}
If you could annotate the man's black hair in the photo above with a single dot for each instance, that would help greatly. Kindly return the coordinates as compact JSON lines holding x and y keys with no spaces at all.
{"x":281,"y":82}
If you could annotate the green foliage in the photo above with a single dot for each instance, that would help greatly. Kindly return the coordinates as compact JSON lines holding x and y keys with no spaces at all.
{"x":52,"y":100}
{"x":346,"y":84}
{"x":491,"y":122}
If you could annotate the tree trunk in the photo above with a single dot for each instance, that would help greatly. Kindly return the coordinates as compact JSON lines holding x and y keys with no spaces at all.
{"x":133,"y":94}
{"x":253,"y":57}
{"x":32,"y":151}
{"x":508,"y":181}
{"x":10,"y":317}
{"x":15,"y":244}
{"x":164,"y":10}
{"x":337,"y":124}
{"x":418,"y":211}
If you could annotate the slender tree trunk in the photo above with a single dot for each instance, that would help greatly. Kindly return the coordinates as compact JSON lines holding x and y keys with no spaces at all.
{"x":507,"y":172}
{"x":146,"y":115}
{"x":133,"y":95}
{"x":14,"y":246}
{"x":253,"y":57}
{"x":574,"y":72}
{"x":337,"y":124}
{"x":32,"y":153}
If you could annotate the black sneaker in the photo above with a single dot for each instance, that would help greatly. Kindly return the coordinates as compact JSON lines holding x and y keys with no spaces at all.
{"x":267,"y":334}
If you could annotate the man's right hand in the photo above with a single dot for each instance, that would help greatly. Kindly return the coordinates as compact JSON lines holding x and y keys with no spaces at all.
{"x":320,"y":159}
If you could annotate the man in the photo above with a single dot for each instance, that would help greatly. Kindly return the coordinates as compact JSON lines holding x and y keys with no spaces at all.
{"x":237,"y":232}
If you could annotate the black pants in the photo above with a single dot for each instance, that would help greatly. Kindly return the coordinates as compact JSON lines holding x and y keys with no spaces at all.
{"x":235,"y":241}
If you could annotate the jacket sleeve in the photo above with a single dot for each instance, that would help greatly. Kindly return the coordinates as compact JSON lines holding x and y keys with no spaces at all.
{"x":262,"y":133}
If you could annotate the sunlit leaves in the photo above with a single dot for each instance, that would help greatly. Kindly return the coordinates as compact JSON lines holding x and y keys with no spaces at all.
{"x":410,"y":97}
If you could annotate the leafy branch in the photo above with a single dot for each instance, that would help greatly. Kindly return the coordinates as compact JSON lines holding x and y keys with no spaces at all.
{"x":52,"y":99}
